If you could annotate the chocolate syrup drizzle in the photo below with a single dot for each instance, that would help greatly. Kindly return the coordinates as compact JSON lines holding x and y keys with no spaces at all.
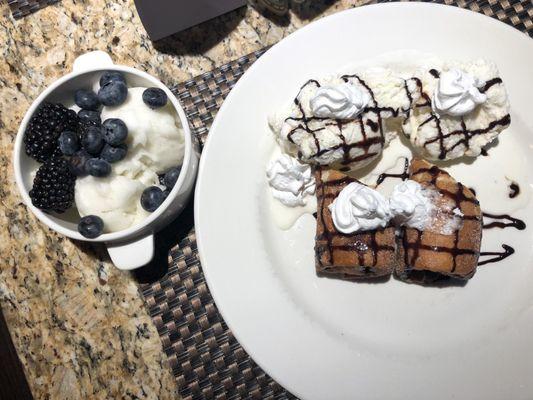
{"x":365,"y":144}
{"x":489,"y":84}
{"x":466,"y":133}
{"x":507,"y":250}
{"x":514,"y":190}
{"x":512,"y":222}
{"x":360,"y":247}
{"x":435,"y":73}
{"x":403,"y":175}
{"x":499,"y":256}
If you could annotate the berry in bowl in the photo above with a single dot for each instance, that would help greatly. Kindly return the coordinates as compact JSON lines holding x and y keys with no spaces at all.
{"x":105,"y":154}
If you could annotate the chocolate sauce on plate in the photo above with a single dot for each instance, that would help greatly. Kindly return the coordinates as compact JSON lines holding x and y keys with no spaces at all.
{"x":514,"y":190}
{"x":511,"y":222}
{"x":498,"y":256}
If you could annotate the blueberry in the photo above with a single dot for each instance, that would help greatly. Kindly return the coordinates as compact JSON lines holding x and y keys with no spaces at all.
{"x":151,"y":198}
{"x":97,"y":167}
{"x":114,"y":153}
{"x":93,"y":140}
{"x":91,"y":226}
{"x":155,"y":97}
{"x":68,"y":143}
{"x":86,"y":99}
{"x":89,"y":116}
{"x":115,"y":131}
{"x":112,"y":76}
{"x":77,"y":163}
{"x":171,"y":177}
{"x":113,"y":93}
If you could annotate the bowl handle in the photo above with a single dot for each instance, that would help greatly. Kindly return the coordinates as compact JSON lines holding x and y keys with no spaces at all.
{"x":132,"y":255}
{"x":92,"y":60}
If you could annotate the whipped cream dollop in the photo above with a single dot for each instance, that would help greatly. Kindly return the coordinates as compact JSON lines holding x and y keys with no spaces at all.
{"x":359,"y":208}
{"x":290,"y":181}
{"x":342,"y":101}
{"x":411,"y":205}
{"x":457,"y":93}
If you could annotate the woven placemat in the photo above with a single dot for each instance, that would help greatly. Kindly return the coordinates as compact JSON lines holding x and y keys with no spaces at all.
{"x":21,"y":8}
{"x":204,"y":356}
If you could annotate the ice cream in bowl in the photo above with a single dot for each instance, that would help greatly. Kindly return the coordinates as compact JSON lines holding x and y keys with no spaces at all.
{"x":105,"y":154}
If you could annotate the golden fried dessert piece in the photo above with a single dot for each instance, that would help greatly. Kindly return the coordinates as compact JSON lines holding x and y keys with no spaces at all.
{"x":437,"y":254}
{"x":356,"y":256}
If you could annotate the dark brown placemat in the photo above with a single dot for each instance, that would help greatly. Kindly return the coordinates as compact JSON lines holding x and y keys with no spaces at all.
{"x":21,"y":8}
{"x":204,"y":356}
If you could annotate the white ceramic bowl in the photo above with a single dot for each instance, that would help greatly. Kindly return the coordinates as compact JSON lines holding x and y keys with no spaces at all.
{"x":133,"y":247}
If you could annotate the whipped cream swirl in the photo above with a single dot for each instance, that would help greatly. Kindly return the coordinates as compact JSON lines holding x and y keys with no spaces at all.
{"x":290,"y":181}
{"x":359,"y":208}
{"x":342,"y":101}
{"x":457,"y":93}
{"x":411,"y":205}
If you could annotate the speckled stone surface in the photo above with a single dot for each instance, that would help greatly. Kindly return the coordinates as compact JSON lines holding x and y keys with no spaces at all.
{"x":79,"y":325}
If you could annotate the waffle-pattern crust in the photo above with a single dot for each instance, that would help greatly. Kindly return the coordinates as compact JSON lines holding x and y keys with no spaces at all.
{"x":453,"y":255}
{"x":356,"y":256}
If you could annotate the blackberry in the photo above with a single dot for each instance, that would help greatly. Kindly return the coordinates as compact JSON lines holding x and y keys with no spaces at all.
{"x":53,"y":186}
{"x":44,"y":128}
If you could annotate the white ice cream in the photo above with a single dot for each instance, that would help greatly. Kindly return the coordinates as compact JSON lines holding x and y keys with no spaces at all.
{"x":291,"y":182}
{"x":155,"y":144}
{"x":359,"y":208}
{"x":342,"y":135}
{"x":463,"y":116}
{"x":114,"y":198}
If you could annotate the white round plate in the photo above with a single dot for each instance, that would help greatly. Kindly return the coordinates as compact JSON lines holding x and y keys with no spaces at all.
{"x":330,"y":339}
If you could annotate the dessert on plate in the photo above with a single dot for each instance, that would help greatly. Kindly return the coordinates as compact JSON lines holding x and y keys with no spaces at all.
{"x":356,"y":255}
{"x":461,"y":108}
{"x":451,"y":252}
{"x":429,"y":226}
{"x":343,"y":121}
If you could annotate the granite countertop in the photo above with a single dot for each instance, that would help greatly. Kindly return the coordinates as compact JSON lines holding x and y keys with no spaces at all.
{"x":79,"y":325}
